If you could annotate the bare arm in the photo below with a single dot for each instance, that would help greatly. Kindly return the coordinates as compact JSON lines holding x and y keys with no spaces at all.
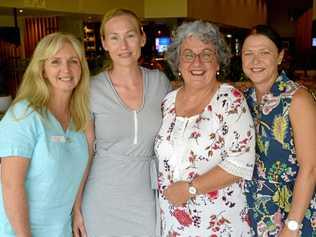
{"x":303,"y":119}
{"x":78,"y":222}
{"x":13,"y":172}
{"x":215,"y":179}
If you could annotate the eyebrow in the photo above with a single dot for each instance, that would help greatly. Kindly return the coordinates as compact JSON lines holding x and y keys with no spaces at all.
{"x":206,"y":49}
{"x":116,"y":33}
{"x":56,"y":57}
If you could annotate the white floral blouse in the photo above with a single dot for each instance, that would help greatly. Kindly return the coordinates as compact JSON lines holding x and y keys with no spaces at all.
{"x":222,"y":135}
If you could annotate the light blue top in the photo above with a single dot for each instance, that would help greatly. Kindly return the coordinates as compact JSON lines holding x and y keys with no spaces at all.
{"x":57,"y":162}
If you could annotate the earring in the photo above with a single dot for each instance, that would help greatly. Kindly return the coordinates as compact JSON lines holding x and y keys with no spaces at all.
{"x":217,"y":73}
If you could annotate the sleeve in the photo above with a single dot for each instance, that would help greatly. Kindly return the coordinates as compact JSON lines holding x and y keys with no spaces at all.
{"x":238,"y":155}
{"x":18,"y":133}
{"x":166,"y":82}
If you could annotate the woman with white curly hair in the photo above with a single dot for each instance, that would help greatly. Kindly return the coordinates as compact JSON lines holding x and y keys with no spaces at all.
{"x":205,"y":146}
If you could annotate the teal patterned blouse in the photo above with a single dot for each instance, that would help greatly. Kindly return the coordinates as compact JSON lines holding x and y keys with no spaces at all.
{"x":270,"y":192}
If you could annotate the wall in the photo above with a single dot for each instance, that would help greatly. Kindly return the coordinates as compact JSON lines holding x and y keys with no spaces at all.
{"x":279,"y":19}
{"x":71,"y":24}
{"x":314,"y":9}
{"x":165,"y":8}
{"x":240,"y":13}
{"x":77,"y":6}
{"x":6,"y":20}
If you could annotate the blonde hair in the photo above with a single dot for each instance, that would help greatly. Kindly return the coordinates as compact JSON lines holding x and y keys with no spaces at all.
{"x":35,"y":89}
{"x":108,"y":16}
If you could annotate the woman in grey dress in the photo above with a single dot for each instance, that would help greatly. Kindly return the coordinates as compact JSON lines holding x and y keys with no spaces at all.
{"x":118,"y":198}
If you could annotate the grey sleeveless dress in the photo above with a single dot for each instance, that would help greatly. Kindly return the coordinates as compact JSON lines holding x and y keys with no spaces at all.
{"x":119,"y":199}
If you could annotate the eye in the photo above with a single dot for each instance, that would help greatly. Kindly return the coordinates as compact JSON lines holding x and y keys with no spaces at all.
{"x":188,"y":55}
{"x":247,"y":53}
{"x":54,"y":61}
{"x":206,"y":56}
{"x":131,"y":35}
{"x":114,"y":38}
{"x":265,"y":53}
{"x":74,"y":61}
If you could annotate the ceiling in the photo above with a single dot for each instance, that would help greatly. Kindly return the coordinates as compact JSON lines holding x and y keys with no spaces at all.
{"x":295,"y":9}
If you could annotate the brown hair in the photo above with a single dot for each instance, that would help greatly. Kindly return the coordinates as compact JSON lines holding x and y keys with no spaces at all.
{"x":118,"y":12}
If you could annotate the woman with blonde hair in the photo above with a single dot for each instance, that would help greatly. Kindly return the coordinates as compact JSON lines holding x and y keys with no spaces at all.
{"x":42,"y":141}
{"x":118,"y":199}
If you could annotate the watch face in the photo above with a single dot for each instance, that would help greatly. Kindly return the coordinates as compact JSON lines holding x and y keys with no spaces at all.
{"x":292,"y":225}
{"x":192,"y":190}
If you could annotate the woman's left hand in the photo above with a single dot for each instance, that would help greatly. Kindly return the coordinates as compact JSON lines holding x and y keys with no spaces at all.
{"x":288,"y":233}
{"x":177,"y":193}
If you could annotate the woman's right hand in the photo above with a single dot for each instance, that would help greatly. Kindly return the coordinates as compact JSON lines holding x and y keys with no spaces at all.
{"x":78,"y":227}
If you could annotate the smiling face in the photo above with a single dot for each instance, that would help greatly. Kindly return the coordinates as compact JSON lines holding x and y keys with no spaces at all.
{"x":198,"y":62}
{"x":260,"y":59}
{"x":123,"y":40}
{"x":63,"y":70}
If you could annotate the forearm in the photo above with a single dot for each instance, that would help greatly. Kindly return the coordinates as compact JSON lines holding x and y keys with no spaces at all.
{"x":303,"y":191}
{"x":213,"y":180}
{"x":77,"y":204}
{"x":16,"y":207}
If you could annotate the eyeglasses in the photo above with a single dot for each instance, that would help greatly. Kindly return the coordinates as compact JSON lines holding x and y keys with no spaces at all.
{"x":206,"y":56}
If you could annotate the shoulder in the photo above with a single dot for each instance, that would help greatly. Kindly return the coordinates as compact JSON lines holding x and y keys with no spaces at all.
{"x":99,"y":86}
{"x":231,"y":102}
{"x":302,"y":100}
{"x":229,"y":94}
{"x":97,"y":79}
{"x":156,"y":77}
{"x":20,"y":118}
{"x":169,"y":100}
{"x":21,"y":110}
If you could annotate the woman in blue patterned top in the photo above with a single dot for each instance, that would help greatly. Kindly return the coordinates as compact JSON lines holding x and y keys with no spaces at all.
{"x":281,"y":196}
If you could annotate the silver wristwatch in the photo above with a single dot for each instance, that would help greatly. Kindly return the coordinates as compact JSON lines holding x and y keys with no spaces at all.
{"x":192,"y":190}
{"x":292,"y":225}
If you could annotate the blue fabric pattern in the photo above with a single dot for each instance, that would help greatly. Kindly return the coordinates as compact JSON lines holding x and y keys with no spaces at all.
{"x":269,"y":194}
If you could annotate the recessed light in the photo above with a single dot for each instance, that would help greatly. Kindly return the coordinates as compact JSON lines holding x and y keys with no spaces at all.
{"x":20,"y":10}
{"x":229,"y":36}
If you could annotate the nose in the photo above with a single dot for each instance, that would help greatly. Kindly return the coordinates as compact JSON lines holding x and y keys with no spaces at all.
{"x":65,"y":67}
{"x":124,"y":43}
{"x":197,"y":59}
{"x":256,"y":58}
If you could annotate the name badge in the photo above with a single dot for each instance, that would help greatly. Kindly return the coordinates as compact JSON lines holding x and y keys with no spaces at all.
{"x":58,"y":139}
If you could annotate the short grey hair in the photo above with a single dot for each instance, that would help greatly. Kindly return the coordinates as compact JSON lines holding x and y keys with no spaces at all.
{"x":207,"y":33}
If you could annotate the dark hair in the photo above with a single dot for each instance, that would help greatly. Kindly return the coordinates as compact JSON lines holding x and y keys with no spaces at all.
{"x":267,"y":31}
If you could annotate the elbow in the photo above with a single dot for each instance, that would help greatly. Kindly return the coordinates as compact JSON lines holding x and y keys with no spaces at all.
{"x":308,"y":172}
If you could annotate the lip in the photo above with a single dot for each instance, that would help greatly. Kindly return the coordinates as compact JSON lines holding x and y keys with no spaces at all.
{"x":257,"y":69}
{"x":125,"y":54}
{"x":197,"y":72}
{"x":65,"y":78}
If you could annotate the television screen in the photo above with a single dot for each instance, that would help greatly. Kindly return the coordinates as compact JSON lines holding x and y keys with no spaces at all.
{"x":314,"y":41}
{"x":162,"y":44}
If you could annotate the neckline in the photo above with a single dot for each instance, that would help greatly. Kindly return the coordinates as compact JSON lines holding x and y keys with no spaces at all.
{"x":59,"y":125}
{"x":198,"y":114}
{"x":125,"y":106}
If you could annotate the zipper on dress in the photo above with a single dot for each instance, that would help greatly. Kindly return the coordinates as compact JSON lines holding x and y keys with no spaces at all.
{"x":135,"y":128}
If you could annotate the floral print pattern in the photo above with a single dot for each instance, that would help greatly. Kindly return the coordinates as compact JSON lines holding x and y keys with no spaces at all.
{"x":270,"y":193}
{"x":222,"y":135}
